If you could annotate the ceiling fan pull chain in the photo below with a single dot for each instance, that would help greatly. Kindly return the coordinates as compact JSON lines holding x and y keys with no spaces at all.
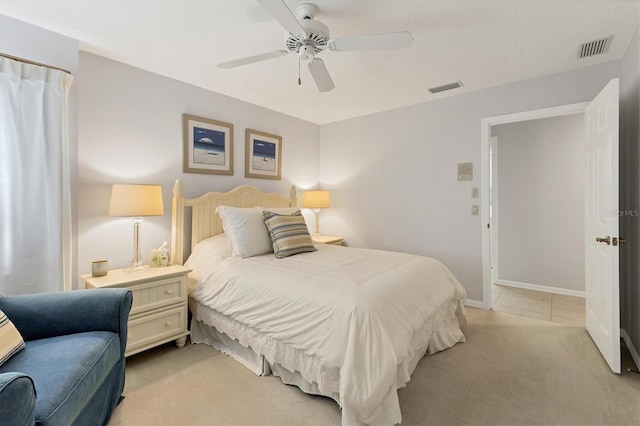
{"x":299,"y":80}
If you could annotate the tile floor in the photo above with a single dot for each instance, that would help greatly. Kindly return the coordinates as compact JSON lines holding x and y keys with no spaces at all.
{"x":567,"y":310}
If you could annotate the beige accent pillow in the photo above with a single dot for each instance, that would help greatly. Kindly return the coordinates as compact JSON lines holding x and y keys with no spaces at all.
{"x":289,"y":234}
{"x":11,"y":341}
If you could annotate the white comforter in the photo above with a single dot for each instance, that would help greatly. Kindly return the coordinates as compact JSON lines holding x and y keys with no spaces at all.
{"x":361,"y":312}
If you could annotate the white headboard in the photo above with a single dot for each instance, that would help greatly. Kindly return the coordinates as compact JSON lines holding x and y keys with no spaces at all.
{"x":205,"y":222}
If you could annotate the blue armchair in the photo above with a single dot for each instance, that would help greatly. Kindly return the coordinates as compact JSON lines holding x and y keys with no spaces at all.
{"x":71,"y":371}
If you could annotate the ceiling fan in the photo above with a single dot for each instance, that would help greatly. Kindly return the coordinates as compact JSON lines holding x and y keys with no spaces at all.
{"x":309,"y":37}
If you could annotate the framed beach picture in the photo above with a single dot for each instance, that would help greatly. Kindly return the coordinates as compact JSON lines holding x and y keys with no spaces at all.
{"x":263,"y":155}
{"x":208,"y":145}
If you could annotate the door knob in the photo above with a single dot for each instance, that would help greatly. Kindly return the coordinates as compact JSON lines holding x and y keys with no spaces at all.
{"x":604,"y":240}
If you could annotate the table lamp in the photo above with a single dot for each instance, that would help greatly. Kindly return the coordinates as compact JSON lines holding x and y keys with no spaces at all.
{"x":136,"y":201}
{"x":316,"y":200}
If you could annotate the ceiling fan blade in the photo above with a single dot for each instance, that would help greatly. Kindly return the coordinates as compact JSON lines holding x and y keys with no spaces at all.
{"x":281,"y":13}
{"x":251,"y":59}
{"x":320,"y":75}
{"x":372,"y":42}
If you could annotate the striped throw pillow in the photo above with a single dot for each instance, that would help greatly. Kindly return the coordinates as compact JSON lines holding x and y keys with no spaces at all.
{"x":11,"y":341}
{"x":289,"y":234}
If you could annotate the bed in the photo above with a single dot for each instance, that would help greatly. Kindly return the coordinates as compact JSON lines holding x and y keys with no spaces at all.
{"x":347,"y":323}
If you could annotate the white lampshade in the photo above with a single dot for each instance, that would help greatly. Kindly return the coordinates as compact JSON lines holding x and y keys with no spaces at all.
{"x":316,"y":200}
{"x":136,"y":200}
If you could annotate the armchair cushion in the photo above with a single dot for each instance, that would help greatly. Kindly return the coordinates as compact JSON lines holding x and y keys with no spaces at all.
{"x":72,"y":366}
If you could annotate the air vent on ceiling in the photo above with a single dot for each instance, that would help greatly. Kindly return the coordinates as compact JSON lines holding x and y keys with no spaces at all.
{"x":595,"y":47}
{"x":446,"y":87}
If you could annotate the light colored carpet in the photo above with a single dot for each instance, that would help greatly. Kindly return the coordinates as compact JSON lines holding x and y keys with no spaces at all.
{"x":511,"y":371}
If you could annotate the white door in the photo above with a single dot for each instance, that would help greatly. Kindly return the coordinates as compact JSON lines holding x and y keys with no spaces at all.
{"x":601,"y":220}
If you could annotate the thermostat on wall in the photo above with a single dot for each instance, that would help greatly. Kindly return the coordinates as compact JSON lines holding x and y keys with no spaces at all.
{"x":465,"y":171}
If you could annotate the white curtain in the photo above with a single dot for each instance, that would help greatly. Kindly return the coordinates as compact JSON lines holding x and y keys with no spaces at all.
{"x":35,"y":212}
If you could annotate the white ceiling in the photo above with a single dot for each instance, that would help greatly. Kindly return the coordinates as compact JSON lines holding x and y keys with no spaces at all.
{"x":482,"y":43}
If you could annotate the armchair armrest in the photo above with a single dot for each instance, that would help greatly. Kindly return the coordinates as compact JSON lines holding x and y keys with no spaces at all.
{"x":42,"y":315}
{"x":17,"y":398}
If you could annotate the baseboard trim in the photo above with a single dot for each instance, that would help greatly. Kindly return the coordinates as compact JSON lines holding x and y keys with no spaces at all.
{"x":632,"y":349}
{"x":475,"y":304}
{"x":537,"y":287}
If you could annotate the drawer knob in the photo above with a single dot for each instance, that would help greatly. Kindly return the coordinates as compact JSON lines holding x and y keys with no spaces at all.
{"x":168,"y":323}
{"x":169,"y":291}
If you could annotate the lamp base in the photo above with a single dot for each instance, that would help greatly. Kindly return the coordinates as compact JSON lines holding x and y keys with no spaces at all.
{"x":136,"y":263}
{"x":133,"y":269}
{"x":317,"y":233}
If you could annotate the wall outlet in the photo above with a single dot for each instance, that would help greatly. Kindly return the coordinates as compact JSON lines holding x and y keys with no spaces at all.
{"x":475,"y":192}
{"x":475,"y":210}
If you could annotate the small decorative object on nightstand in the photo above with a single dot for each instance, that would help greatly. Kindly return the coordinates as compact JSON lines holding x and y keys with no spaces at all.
{"x":159,"y":257}
{"x":327,"y":239}
{"x":159,"y":311}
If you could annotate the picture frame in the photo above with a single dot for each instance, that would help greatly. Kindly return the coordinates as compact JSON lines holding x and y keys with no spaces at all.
{"x":208,"y":145}
{"x":263,"y":155}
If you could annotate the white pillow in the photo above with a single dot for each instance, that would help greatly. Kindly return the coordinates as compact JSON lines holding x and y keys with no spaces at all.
{"x":245,"y":228}
{"x":204,"y":257}
{"x":216,"y":246}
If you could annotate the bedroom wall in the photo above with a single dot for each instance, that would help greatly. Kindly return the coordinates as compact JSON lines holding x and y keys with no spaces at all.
{"x":630,"y":197}
{"x":540,"y":203}
{"x":37,"y":44}
{"x":130,"y":129}
{"x":393,"y":175}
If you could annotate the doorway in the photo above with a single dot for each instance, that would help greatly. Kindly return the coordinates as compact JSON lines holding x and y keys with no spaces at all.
{"x":488,"y":157}
{"x":537,"y":223}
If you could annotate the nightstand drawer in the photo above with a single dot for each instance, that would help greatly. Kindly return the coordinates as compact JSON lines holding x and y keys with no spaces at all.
{"x":151,"y":329}
{"x":153,"y":295}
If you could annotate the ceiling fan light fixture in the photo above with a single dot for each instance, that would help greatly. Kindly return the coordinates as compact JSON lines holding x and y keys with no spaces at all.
{"x":306,"y":52}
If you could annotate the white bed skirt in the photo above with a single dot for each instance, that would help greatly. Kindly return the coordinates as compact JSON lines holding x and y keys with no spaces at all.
{"x":445,"y":333}
{"x":258,"y":364}
{"x":202,"y":333}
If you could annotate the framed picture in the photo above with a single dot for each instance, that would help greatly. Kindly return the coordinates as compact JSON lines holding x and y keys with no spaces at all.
{"x":263,"y":155}
{"x":208,"y":145}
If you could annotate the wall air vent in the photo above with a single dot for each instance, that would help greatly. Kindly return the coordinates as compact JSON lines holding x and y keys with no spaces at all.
{"x":595,"y":47}
{"x":446,"y":87}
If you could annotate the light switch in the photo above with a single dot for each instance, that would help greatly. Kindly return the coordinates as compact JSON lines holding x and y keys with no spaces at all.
{"x":475,"y":210}
{"x":475,"y":192}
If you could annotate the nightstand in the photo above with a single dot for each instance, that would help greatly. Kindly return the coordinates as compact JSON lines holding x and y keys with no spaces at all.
{"x":327,"y":239}
{"x":159,"y":310}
